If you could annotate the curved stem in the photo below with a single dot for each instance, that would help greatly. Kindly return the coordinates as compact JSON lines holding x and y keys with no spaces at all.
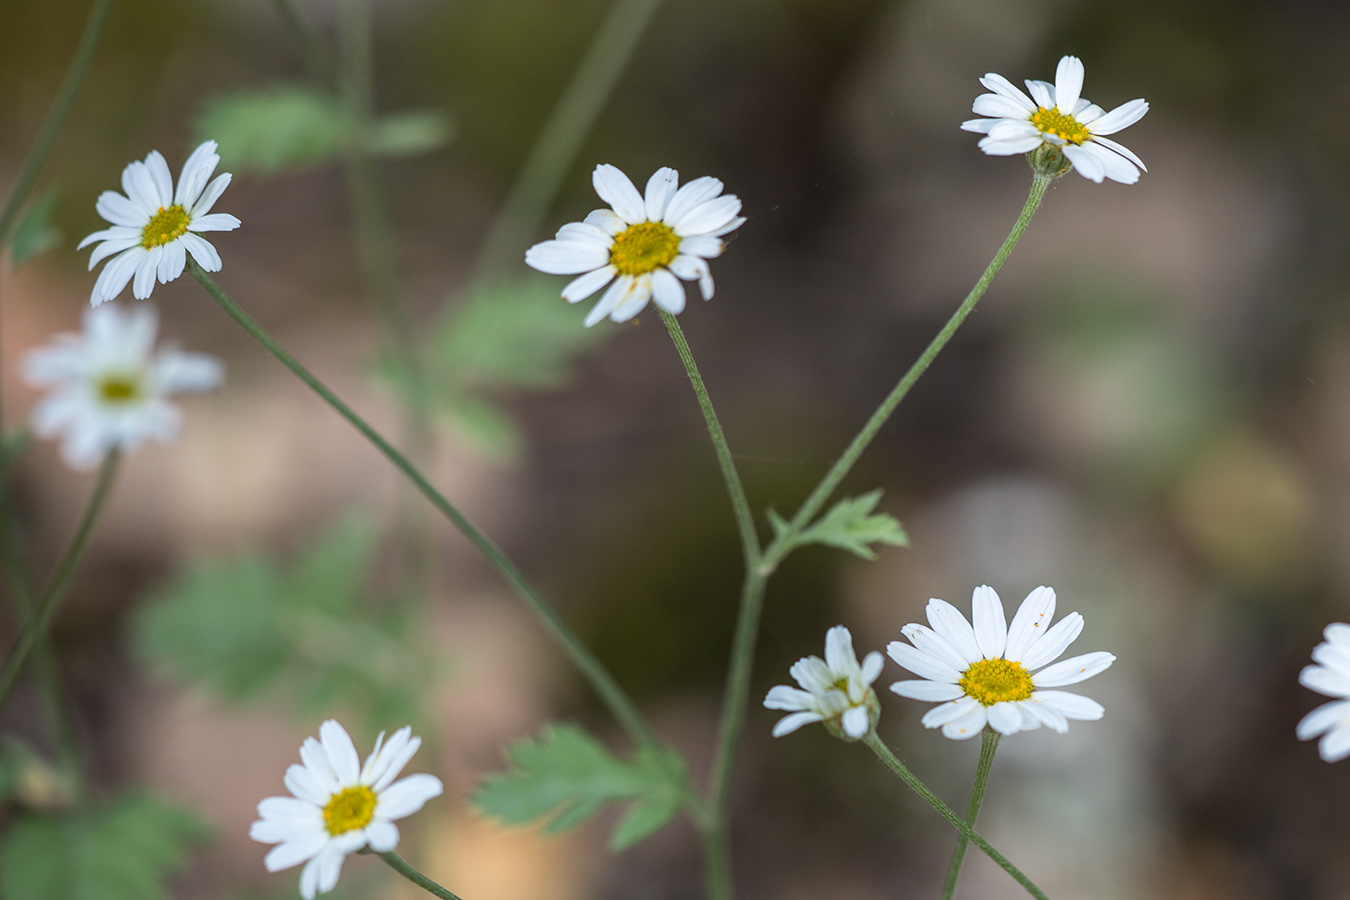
{"x":40,"y":621}
{"x":988,"y":744}
{"x":849,"y":457}
{"x":46,"y":136}
{"x":884,"y":753}
{"x":404,"y":868}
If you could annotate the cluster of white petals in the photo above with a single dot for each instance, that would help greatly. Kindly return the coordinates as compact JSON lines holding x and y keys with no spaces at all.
{"x":1330,"y":676}
{"x":835,"y":689}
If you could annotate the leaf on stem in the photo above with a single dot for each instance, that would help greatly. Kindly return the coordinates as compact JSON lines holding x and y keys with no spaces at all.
{"x":34,"y":235}
{"x":849,"y":525}
{"x":568,"y":775}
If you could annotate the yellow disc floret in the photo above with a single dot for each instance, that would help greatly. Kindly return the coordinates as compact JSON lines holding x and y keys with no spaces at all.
{"x":644,"y":247}
{"x":1052,"y":121}
{"x":117,"y":389}
{"x":993,"y":681}
{"x":169,"y":224}
{"x":349,"y":809}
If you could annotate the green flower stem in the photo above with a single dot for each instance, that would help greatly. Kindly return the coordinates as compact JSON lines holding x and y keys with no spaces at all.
{"x":46,"y":136}
{"x":613,"y":696}
{"x":36,"y":628}
{"x":783,"y":544}
{"x":988,"y":744}
{"x":558,"y":143}
{"x":895,"y":765}
{"x":402,"y":867}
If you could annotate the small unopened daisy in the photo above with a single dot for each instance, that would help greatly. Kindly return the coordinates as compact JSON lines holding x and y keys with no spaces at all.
{"x":1055,"y":116}
{"x":987,"y":674}
{"x":1331,"y":676}
{"x":835,"y":690}
{"x":110,"y":386}
{"x":340,"y":806}
{"x":644,"y":244}
{"x":155,"y":225}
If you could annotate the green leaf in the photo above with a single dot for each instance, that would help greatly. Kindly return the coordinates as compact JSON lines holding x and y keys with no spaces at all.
{"x":34,"y":235}
{"x":279,"y":128}
{"x":123,"y":851}
{"x":410,"y":133}
{"x":849,"y":525}
{"x":245,"y":625}
{"x":568,"y":776}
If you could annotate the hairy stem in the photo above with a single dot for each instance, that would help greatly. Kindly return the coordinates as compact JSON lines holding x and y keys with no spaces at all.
{"x":988,"y":744}
{"x":404,"y":868}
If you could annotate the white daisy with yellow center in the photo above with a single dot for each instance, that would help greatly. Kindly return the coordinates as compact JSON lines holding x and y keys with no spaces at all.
{"x":155,"y":225}
{"x":340,"y":806}
{"x":986,"y":675}
{"x":645,"y":244}
{"x":1331,"y":676}
{"x":109,"y":386}
{"x":836,"y":690}
{"x":1056,"y":115}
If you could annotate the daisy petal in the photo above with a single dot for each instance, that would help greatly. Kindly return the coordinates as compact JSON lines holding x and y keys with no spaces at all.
{"x":929,"y":691}
{"x":615,"y":189}
{"x":1072,"y":671}
{"x":1030,"y":622}
{"x":660,"y":189}
{"x":1120,"y":118}
{"x":789,"y":724}
{"x":1068,"y":83}
{"x":949,"y":623}
{"x":991,"y":630}
{"x":1071,"y":706}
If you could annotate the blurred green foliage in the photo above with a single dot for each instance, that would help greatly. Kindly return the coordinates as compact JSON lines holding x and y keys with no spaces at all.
{"x":568,"y":775}
{"x":245,"y":626}
{"x":35,"y":234}
{"x":849,"y":525}
{"x":122,"y":851}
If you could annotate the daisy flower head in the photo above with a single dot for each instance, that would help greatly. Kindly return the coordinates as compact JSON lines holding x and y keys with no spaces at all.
{"x":1331,"y":676}
{"x":835,"y":690}
{"x":986,"y":675}
{"x":1057,"y":125}
{"x":110,"y":387}
{"x":339,"y":805}
{"x":644,"y":244}
{"x":155,"y":225}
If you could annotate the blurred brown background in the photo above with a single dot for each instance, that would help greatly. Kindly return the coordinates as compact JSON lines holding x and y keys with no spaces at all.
{"x":1150,"y":411}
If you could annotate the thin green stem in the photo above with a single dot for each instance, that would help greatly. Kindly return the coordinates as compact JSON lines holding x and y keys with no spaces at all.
{"x":36,"y":628}
{"x":556,"y":148}
{"x":609,"y":690}
{"x":317,"y":57}
{"x":884,"y":753}
{"x":46,"y":136}
{"x":404,"y":868}
{"x":783,"y":544}
{"x":988,"y":744}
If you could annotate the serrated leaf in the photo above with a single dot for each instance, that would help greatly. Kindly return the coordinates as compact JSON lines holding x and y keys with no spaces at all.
{"x":245,"y":625}
{"x":123,"y":851}
{"x":849,"y":525}
{"x":275,"y":129}
{"x":34,"y":235}
{"x":410,"y":133}
{"x":567,"y":776}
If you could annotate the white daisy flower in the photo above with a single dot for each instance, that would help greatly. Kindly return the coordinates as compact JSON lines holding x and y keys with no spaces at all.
{"x":1056,"y":115}
{"x":340,"y":806}
{"x":984,"y":675}
{"x":836,"y":690}
{"x":110,"y":386}
{"x":645,"y":245}
{"x":155,"y":225}
{"x":1331,"y":676}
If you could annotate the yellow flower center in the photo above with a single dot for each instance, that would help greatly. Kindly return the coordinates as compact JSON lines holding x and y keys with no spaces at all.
{"x":1052,"y":121}
{"x":169,"y":224}
{"x":993,"y":681}
{"x":644,"y":247}
{"x":118,"y":389}
{"x":349,"y":809}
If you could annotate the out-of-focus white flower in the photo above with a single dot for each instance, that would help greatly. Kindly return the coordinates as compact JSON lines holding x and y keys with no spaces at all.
{"x":340,"y":806}
{"x":155,"y":226}
{"x":984,"y":675}
{"x":110,"y":386}
{"x":1059,"y":117}
{"x":835,"y":690}
{"x":1331,"y":676}
{"x":645,"y":245}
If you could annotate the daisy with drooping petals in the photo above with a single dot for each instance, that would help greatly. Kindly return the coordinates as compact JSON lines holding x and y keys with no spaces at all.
{"x":835,"y":690}
{"x":340,"y":806}
{"x":1056,"y":115}
{"x":984,"y":675}
{"x":155,"y":225}
{"x":1331,"y":676}
{"x":110,"y":386}
{"x":645,"y":245}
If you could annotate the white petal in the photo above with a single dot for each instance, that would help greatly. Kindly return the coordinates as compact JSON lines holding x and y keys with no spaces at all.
{"x":301,"y":783}
{"x":855,"y":722}
{"x":1338,"y":633}
{"x":1005,"y":88}
{"x":966,"y":727}
{"x":615,"y":189}
{"x":1335,"y":657}
{"x":948,"y":622}
{"x":337,"y":745}
{"x":144,"y":281}
{"x":929,"y":641}
{"x":1032,"y":619}
{"x":202,"y":206}
{"x":1121,"y":149}
{"x":634,"y":301}
{"x":789,"y":724}
{"x":176,"y":371}
{"x":109,"y":248}
{"x":871,"y":667}
{"x":214,"y":222}
{"x":607,"y":221}
{"x":407,"y":795}
{"x":707,"y":217}
{"x":839,"y":654}
{"x":731,"y":226}
{"x":1086,"y":164}
{"x":309,"y":879}
{"x":293,"y":853}
{"x":929,"y":691}
{"x":1116,"y":167}
{"x":1047,"y":648}
{"x":1005,"y":718}
{"x":121,"y":211}
{"x":667,"y":292}
{"x":116,"y":274}
{"x":584,"y":233}
{"x":196,"y":170}
{"x":1074,"y":670}
{"x":922,"y":664}
{"x":1335,"y":714}
{"x":171,"y":264}
{"x":397,"y":753}
{"x":202,"y":251}
{"x":692,"y":195}
{"x":991,"y":630}
{"x":660,"y":189}
{"x":999,"y":107}
{"x":1014,"y":130}
{"x":1072,"y":706}
{"x":1011,"y":147}
{"x":617,"y":291}
{"x":788,"y":698}
{"x":1045,"y":712}
{"x":981,"y":126}
{"x":139,"y":186}
{"x":1120,"y":118}
{"x":1324,"y":681}
{"x":1068,"y":83}
{"x":1335,"y":745}
{"x":566,"y":257}
{"x":950,"y":712}
{"x":1042,"y":92}
{"x":382,"y":835}
{"x":702,"y":245}
{"x":159,"y":173}
{"x":583,"y":286}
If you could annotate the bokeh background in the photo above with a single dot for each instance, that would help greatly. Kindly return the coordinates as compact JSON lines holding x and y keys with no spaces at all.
{"x":1150,"y":411}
